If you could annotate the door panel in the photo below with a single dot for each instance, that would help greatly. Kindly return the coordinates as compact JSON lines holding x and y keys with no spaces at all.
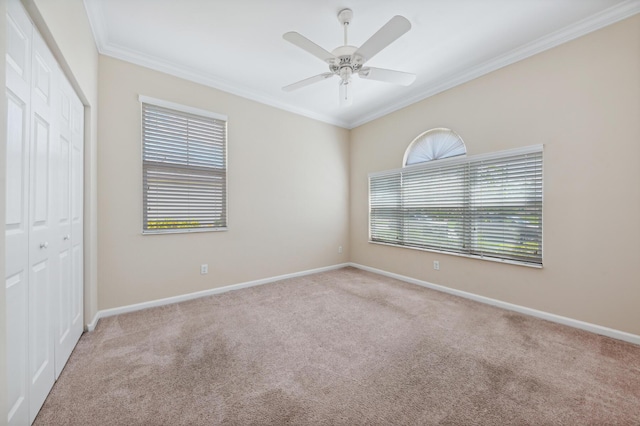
{"x":16,"y":240}
{"x":67,"y":333}
{"x":64,"y":304}
{"x":18,"y":86}
{"x":42,"y":73}
{"x":16,"y":229}
{"x":76,"y":293}
{"x":77,"y":211}
{"x":17,"y":154}
{"x":18,"y":42}
{"x":39,"y":314}
{"x":64,"y":184}
{"x":17,"y":348}
{"x":43,"y":245}
{"x":40,"y":154}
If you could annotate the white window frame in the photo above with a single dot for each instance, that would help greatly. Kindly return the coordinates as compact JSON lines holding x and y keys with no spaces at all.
{"x":453,"y":161}
{"x":194,"y":111}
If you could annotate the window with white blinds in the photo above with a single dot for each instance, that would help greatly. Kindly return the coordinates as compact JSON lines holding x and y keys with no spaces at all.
{"x":184,"y":164}
{"x":485,"y":206}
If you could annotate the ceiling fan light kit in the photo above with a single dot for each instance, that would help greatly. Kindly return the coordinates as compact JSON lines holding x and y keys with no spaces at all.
{"x":345,"y":61}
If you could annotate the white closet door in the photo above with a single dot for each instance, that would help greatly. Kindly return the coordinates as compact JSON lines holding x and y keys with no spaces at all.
{"x":69,"y":234}
{"x":42,"y":242}
{"x":18,"y":63}
{"x":63,"y":233}
{"x":43,"y":229}
{"x":77,"y":218}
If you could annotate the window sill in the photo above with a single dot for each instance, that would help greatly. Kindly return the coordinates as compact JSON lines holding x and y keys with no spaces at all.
{"x":182,"y":231}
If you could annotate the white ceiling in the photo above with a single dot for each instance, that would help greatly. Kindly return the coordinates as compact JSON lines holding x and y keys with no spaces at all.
{"x":237,"y":45}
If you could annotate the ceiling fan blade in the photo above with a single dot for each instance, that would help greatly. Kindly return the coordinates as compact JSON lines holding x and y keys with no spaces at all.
{"x":305,"y":44}
{"x":388,"y":76}
{"x":386,"y":35}
{"x":307,"y":81}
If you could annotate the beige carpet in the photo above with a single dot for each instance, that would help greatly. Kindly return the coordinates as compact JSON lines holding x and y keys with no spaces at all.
{"x":344,"y":347}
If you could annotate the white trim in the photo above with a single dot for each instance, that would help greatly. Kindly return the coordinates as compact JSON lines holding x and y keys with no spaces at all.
{"x":459,"y":159}
{"x":184,"y":231}
{"x":182,"y":108}
{"x":94,"y":321}
{"x":595,"y":22}
{"x":97,"y":23}
{"x":593,"y":328}
{"x":189,"y":296}
{"x":206,"y":79}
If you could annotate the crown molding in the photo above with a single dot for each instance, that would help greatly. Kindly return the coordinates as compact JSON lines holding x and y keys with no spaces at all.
{"x":595,"y":22}
{"x":580,"y":28}
{"x":97,"y":23}
{"x":199,"y":77}
{"x":107,"y":48}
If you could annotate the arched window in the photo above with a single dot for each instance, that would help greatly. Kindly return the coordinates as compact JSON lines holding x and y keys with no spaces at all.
{"x":485,"y":206}
{"x":434,"y":144}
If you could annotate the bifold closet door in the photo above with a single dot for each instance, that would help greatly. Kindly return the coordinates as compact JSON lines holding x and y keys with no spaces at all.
{"x":30,"y":278}
{"x":69,"y":200}
{"x":43,"y":264}
{"x":43,"y":231}
{"x":18,"y":86}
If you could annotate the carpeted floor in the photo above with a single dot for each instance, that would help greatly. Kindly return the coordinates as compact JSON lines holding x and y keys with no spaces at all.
{"x":345,"y":347}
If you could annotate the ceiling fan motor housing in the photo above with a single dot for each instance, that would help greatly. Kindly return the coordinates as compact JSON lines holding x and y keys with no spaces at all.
{"x":346,"y":60}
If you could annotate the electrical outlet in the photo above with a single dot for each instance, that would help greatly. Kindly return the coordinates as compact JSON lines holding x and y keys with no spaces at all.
{"x":204,"y":269}
{"x":340,"y":250}
{"x":436,"y":265}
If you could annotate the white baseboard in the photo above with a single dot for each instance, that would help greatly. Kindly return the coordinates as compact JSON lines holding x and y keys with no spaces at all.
{"x":594,"y":328}
{"x":181,"y":298}
{"x":605,"y":331}
{"x":94,"y":321}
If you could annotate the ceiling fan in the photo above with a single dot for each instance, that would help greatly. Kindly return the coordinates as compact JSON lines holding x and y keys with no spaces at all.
{"x":345,"y":61}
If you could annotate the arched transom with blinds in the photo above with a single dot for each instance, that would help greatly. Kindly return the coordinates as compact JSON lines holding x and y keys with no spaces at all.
{"x":434,"y":144}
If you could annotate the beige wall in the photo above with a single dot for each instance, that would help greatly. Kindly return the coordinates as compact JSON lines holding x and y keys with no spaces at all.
{"x":288,"y":194}
{"x":65,"y":26}
{"x":582,"y":101}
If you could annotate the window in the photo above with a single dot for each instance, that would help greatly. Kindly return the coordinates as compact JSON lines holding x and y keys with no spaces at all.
{"x":484,"y":206}
{"x":184,"y":167}
{"x":434,"y":144}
